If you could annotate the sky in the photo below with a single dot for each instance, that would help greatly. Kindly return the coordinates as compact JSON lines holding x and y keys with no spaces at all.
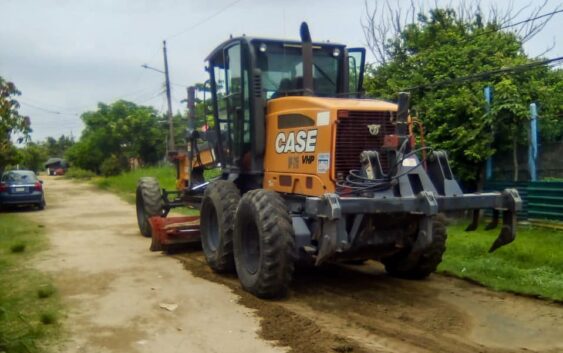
{"x":65,"y":56}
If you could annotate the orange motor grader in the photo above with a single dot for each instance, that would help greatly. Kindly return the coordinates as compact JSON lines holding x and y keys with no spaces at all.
{"x":309,"y":171}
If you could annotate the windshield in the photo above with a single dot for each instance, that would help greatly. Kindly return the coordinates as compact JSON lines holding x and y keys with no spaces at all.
{"x":20,"y":176}
{"x":282,"y":69}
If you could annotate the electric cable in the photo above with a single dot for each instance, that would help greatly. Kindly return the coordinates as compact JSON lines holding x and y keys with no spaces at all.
{"x":197,"y":24}
{"x":355,"y":182}
{"x":487,"y":74}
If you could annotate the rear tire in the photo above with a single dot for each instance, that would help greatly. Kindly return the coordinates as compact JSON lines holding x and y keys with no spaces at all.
{"x":398,"y":265}
{"x":41,"y":205}
{"x":148,"y":203}
{"x":217,"y":218}
{"x":264,"y":244}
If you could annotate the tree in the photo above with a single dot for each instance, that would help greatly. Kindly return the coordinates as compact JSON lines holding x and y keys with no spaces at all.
{"x":57,"y":147}
{"x":11,"y":122}
{"x":32,"y":156}
{"x":428,"y":53}
{"x":119,"y":131}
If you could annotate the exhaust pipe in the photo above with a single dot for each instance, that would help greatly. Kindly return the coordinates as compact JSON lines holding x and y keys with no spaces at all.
{"x":403,"y":113}
{"x":191,"y":135}
{"x":307,"y":52}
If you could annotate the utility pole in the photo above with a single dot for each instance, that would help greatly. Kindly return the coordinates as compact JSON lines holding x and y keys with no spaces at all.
{"x":533,"y":147}
{"x":488,"y":91}
{"x":171,"y":144}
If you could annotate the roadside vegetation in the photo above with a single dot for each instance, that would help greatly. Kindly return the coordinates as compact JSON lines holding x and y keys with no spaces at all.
{"x":79,"y":173}
{"x":125,"y":184}
{"x":445,"y":57}
{"x":532,"y":264}
{"x":29,"y":304}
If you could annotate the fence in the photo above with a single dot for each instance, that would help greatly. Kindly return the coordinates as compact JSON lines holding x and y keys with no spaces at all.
{"x":541,"y":199}
{"x":545,"y":200}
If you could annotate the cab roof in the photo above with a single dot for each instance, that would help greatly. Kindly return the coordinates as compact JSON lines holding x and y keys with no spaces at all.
{"x":249,"y":40}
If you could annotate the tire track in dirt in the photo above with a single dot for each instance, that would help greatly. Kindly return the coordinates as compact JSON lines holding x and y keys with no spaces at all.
{"x":361,"y":309}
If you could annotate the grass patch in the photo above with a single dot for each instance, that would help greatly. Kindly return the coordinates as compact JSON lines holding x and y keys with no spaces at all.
{"x":532,"y":264}
{"x":17,"y":248}
{"x":26,"y":295}
{"x":78,"y":173}
{"x":125,"y":184}
{"x":48,"y":318}
{"x":46,"y":291}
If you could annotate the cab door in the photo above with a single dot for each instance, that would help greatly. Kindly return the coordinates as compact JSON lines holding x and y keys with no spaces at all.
{"x":356,"y":63}
{"x":232,"y":103}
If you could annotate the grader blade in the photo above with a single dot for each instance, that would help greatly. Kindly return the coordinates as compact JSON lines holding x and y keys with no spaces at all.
{"x":168,"y":231}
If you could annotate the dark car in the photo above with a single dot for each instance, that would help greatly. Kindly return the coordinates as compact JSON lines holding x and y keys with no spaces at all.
{"x":21,"y":187}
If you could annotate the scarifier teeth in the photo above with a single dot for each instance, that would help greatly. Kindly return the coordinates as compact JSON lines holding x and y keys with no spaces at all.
{"x":494,"y":221}
{"x":474,"y":222}
{"x":505,"y":237}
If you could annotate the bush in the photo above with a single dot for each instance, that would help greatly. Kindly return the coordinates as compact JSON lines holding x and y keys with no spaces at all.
{"x":48,"y":318}
{"x":17,"y":248}
{"x":46,"y":291}
{"x":113,"y":166}
{"x":78,"y":173}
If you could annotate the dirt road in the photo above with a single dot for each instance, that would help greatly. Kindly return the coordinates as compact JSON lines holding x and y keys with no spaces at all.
{"x":113,"y":288}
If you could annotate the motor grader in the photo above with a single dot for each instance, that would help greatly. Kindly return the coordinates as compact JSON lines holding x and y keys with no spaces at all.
{"x":309,"y":171}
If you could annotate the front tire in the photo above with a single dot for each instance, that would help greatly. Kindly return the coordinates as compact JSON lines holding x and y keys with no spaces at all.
{"x":148,"y":203}
{"x":400,"y":266}
{"x":217,"y":219}
{"x":264,"y":244}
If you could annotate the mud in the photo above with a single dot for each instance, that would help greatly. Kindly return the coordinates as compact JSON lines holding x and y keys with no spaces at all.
{"x":361,"y":309}
{"x":285,"y":327}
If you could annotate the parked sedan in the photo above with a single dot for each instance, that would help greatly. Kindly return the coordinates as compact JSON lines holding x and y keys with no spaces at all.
{"x":21,"y":187}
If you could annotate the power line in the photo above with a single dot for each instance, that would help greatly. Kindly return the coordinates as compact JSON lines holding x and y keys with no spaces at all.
{"x":215,"y":14}
{"x":138,"y":93}
{"x":40,"y":108}
{"x":520,"y":22}
{"x":195,"y":25}
{"x":43,"y":104}
{"x":486,"y":74}
{"x":160,"y":93}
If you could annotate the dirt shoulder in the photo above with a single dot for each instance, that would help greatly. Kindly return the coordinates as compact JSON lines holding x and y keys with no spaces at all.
{"x":113,"y":286}
{"x":361,"y":309}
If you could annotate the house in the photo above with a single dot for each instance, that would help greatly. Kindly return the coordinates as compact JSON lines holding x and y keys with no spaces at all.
{"x":56,"y":166}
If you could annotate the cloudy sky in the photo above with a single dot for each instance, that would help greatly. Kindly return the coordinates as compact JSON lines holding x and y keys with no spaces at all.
{"x":67,"y":55}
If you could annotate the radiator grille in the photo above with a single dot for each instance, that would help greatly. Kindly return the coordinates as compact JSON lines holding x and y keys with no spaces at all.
{"x":353,"y":137}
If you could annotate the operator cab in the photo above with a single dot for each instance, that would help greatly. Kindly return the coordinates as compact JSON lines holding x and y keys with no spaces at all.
{"x":247,"y":72}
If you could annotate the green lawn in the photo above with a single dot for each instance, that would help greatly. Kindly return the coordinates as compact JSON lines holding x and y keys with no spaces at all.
{"x":532,"y":264}
{"x":29,"y":303}
{"x":125,"y":184}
